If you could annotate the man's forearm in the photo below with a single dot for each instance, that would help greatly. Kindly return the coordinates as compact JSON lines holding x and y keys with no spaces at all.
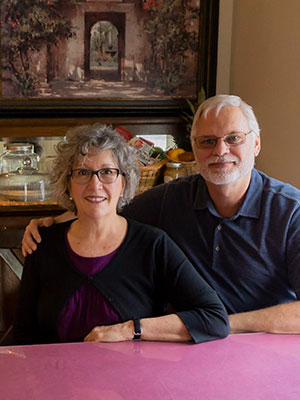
{"x":284,"y":318}
{"x":67,"y":216}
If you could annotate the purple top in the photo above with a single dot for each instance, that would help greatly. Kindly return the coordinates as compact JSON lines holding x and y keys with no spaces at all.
{"x":87,"y":307}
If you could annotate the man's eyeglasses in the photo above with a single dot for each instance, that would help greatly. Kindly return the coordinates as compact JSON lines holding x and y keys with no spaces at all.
{"x":209,"y":142}
{"x":105,"y":175}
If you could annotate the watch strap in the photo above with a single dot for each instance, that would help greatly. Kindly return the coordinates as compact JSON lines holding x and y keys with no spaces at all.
{"x":137,"y":329}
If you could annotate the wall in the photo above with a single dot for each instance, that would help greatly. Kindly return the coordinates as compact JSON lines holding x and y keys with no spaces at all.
{"x":265,"y":72}
{"x":224,"y":46}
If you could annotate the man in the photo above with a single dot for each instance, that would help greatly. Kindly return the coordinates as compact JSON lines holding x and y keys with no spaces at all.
{"x":239,"y":228}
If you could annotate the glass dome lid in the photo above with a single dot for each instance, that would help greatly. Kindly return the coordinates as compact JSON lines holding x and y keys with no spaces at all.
{"x":25,"y":184}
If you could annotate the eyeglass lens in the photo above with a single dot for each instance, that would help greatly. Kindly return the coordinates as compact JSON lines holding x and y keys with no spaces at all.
{"x":209,"y":142}
{"x":105,"y":175}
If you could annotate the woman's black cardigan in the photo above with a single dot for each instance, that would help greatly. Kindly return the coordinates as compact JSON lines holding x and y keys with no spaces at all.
{"x":147,"y":272}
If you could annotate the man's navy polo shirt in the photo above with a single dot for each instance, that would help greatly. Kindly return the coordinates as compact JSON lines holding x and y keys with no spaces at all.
{"x":252,"y":260}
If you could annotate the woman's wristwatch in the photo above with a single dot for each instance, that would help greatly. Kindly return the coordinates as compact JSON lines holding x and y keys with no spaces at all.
{"x":137,"y":329}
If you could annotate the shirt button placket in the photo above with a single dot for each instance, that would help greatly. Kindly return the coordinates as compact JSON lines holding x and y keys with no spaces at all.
{"x":217,"y":246}
{"x":219,"y":227}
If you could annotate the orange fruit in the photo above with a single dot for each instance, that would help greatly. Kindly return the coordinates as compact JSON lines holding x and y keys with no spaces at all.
{"x":174,"y":153}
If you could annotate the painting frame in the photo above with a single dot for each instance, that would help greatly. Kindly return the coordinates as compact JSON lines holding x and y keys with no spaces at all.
{"x":96,"y":107}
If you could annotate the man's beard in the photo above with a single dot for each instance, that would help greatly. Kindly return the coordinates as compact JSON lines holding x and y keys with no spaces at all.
{"x":219,"y":176}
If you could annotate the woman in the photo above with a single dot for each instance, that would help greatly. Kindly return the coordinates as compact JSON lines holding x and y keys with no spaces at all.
{"x":101,"y":277}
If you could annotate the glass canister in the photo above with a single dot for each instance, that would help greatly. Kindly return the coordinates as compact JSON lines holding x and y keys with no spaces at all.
{"x":18,"y":155}
{"x":173,"y":171}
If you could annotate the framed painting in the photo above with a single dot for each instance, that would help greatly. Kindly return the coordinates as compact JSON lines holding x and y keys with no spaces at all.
{"x":94,"y":57}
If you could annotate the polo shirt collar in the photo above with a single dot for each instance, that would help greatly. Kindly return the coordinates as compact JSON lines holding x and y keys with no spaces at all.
{"x":251,"y":205}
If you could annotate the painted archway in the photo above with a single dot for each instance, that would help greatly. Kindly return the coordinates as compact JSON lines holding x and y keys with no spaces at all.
{"x":103,"y":23}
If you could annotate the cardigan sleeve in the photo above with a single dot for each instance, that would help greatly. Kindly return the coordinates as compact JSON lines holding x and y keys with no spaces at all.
{"x":25,"y":326}
{"x":193,"y":300}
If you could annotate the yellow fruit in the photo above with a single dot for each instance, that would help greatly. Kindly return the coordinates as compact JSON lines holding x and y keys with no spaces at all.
{"x":174,"y":153}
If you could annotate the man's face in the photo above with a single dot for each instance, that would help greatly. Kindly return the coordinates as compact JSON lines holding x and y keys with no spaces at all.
{"x":224,"y":164}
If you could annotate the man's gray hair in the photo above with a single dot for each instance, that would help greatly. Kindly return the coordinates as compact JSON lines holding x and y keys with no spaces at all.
{"x":76,"y":144}
{"x":224,"y":100}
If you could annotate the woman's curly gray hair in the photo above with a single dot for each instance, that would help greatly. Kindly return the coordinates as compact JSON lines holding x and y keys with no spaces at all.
{"x":76,"y":144}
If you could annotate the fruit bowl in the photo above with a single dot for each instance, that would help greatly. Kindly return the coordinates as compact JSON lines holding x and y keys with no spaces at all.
{"x":180,"y":155}
{"x":186,"y":158}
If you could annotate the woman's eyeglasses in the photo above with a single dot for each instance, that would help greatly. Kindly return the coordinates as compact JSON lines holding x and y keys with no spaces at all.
{"x":209,"y":142}
{"x":105,"y":175}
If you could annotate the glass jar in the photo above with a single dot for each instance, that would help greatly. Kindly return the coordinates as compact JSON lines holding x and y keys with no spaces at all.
{"x":18,"y":156}
{"x":173,"y":171}
{"x":46,"y":164}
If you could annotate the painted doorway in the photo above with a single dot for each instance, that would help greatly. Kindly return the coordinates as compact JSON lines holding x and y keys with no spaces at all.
{"x":104,"y":51}
{"x":104,"y":46}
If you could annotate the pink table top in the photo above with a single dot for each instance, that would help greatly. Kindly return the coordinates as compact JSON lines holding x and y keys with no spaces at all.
{"x":240,"y":367}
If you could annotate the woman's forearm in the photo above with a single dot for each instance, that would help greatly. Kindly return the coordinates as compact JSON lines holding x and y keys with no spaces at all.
{"x":166,"y":328}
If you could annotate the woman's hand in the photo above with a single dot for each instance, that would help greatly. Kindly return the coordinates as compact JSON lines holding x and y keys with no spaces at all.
{"x":111,"y":333}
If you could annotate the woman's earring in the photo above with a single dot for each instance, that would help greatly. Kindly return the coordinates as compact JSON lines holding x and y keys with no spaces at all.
{"x":71,"y":198}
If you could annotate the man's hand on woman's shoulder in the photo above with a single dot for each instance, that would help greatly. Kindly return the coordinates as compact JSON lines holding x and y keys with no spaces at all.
{"x":31,"y":235}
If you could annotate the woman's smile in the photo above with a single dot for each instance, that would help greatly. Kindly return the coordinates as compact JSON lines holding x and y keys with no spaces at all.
{"x":96,"y":199}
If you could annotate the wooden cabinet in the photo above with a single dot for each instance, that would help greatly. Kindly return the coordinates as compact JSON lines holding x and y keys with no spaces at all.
{"x":14,"y":218}
{"x":43,"y":127}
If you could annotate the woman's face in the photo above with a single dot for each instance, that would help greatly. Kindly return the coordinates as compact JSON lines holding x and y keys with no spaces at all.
{"x":96,"y":199}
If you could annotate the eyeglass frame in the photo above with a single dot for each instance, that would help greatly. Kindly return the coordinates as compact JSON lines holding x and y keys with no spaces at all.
{"x":215,"y":138}
{"x":93,"y":172}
